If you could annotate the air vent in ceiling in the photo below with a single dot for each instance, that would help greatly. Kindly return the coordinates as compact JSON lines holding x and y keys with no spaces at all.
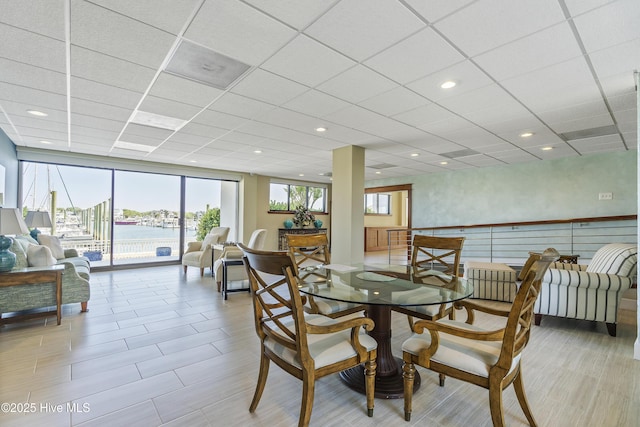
{"x":203,"y":65}
{"x":589,"y":133}
{"x":382,"y":166}
{"x":459,"y":153}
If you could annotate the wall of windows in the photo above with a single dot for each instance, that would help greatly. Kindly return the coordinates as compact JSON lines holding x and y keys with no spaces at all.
{"x":118,"y":217}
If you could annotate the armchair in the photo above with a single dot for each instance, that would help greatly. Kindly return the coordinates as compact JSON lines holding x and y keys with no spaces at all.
{"x":486,"y":358}
{"x":307,"y":346}
{"x":198,"y":254}
{"x":438,"y":257}
{"x":589,"y":292}
{"x":256,"y":241}
{"x":312,"y":249}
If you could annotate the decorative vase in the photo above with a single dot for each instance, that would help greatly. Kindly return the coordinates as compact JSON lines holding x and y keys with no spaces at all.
{"x":288,"y":223}
{"x":317,"y":223}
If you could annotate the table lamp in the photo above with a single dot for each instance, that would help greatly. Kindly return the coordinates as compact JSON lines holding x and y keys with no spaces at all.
{"x":37,"y":219}
{"x":11,"y":222}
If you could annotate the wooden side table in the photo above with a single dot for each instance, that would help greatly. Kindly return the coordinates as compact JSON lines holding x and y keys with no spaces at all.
{"x":35,"y":275}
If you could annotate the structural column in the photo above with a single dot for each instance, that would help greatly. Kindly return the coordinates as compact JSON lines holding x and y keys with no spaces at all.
{"x":347,"y":206}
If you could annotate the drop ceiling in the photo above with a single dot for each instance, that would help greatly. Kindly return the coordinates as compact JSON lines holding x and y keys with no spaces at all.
{"x":369,"y":71}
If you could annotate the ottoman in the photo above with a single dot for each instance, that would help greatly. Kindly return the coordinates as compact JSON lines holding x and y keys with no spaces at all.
{"x":491,"y":280}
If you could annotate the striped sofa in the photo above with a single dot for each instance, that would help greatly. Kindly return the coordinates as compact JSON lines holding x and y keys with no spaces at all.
{"x":589,"y":292}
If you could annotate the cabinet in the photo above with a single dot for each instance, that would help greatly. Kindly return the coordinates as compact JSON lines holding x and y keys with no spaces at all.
{"x":282,"y":232}
{"x":377,"y":238}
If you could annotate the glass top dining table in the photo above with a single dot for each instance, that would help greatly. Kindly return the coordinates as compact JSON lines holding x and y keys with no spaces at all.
{"x":381,"y":287}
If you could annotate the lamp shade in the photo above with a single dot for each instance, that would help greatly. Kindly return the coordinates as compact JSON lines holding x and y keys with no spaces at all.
{"x":11,"y":222}
{"x":38,"y":219}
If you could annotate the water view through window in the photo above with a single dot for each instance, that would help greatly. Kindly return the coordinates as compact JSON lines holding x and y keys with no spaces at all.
{"x":144,"y":224}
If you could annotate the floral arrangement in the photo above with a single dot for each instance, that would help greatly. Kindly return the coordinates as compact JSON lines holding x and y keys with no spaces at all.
{"x":303,"y":217}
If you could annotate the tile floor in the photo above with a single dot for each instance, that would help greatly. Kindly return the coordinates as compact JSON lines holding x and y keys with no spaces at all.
{"x":159,"y":348}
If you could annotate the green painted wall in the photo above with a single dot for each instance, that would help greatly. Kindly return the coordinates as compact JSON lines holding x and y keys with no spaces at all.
{"x":544,"y":190}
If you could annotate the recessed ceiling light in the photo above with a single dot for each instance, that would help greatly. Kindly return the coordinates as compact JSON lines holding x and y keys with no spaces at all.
{"x":378,"y":173}
{"x":526,"y":134}
{"x":37,"y":113}
{"x":547,"y":148}
{"x":321,"y":129}
{"x":46,"y":142}
{"x":257,"y":151}
{"x":414,"y":154}
{"x":301,"y":174}
{"x":193,"y":161}
{"x":448,"y":84}
{"x":444,"y":163}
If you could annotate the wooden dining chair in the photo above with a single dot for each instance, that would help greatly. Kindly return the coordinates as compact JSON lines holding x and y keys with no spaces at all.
{"x":487,"y":358}
{"x":307,"y":346}
{"x":310,"y":250}
{"x":433,"y":259}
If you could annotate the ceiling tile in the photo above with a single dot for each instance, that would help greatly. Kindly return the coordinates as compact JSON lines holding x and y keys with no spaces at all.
{"x":487,"y":24}
{"x":34,"y":77}
{"x":308,"y":62}
{"x":467,"y":76}
{"x":127,"y":38}
{"x":268,"y":87}
{"x":183,"y":90}
{"x":99,"y":92}
{"x":169,"y":108}
{"x":360,"y":35}
{"x":357,"y":84}
{"x":395,"y":101}
{"x":435,"y":10}
{"x":559,"y":85}
{"x":238,"y":31}
{"x":538,"y":50}
{"x":297,"y":13}
{"x":315,"y":103}
{"x":621,"y":18}
{"x":108,"y":70}
{"x":417,"y":56}
{"x":240,"y":106}
{"x":167,"y":15}
{"x":33,"y":49}
{"x":96,"y":109}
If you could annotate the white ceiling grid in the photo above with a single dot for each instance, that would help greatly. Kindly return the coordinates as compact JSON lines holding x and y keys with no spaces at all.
{"x":367,"y":70}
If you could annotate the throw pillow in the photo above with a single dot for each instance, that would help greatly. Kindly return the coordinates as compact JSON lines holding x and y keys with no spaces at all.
{"x":40,"y":256}
{"x":209,"y":240}
{"x":21,"y":254}
{"x":53,"y":243}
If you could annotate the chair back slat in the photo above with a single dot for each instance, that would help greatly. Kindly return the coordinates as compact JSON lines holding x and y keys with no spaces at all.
{"x":518,"y":328}
{"x":276,"y":300}
{"x":436,"y":253}
{"x":308,"y":250}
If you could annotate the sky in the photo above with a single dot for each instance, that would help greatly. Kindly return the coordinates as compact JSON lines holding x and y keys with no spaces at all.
{"x":87,"y":187}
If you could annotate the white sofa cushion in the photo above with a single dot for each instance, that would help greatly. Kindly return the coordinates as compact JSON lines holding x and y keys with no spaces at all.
{"x":53,"y":243}
{"x":40,"y":256}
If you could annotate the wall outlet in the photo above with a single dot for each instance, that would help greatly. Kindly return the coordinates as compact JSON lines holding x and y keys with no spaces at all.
{"x":605,"y":196}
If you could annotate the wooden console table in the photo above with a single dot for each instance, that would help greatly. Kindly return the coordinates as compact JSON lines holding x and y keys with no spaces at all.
{"x":282,"y":232}
{"x":30,"y":276}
